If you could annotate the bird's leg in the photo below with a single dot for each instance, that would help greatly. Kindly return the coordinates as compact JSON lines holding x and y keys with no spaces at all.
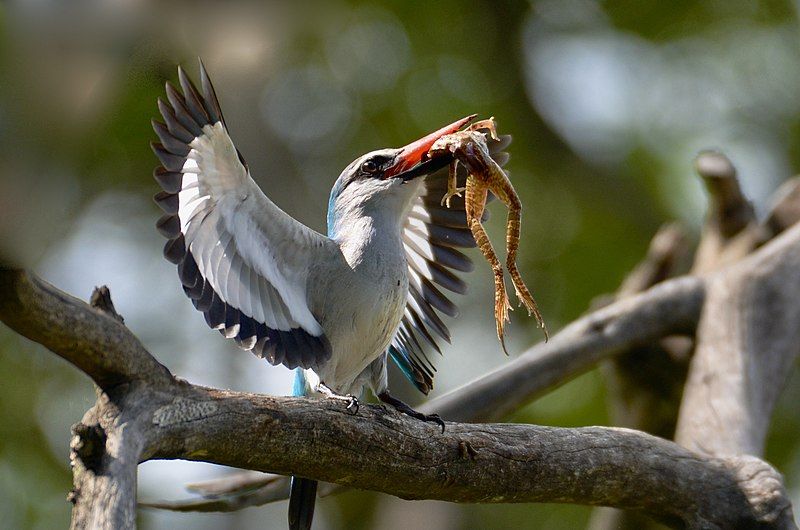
{"x":452,"y":184}
{"x":486,"y":124}
{"x":352,"y":401}
{"x":389,"y":399}
{"x":475,"y":203}
{"x":504,"y":191}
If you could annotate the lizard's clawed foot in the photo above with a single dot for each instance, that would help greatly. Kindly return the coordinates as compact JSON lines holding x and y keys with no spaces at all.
{"x":489,"y":125}
{"x":501,"y":308}
{"x":447,"y":196}
{"x":402,"y":407}
{"x":525,"y":297}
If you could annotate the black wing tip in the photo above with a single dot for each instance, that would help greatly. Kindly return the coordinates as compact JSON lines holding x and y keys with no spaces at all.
{"x":175,"y":249}
{"x":203,"y":105}
{"x":185,"y":112}
{"x":181,"y":75}
{"x":169,"y":226}
{"x":170,"y":161}
{"x":210,"y":100}
{"x":171,"y":89}
{"x":168,"y":202}
{"x":293,"y":348}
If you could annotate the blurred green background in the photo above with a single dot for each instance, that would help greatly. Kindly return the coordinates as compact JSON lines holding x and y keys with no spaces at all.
{"x":608,"y":103}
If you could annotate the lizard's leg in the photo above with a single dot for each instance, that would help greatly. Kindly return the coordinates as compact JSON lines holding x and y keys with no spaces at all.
{"x":452,"y":184}
{"x":475,"y":203}
{"x":504,"y":191}
{"x":485,"y":124}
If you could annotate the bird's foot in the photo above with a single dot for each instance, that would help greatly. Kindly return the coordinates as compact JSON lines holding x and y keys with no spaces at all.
{"x":351,"y":400}
{"x":402,"y":407}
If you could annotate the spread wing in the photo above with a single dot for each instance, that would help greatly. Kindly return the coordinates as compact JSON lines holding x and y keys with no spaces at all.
{"x":432,"y":236}
{"x":242,"y":260}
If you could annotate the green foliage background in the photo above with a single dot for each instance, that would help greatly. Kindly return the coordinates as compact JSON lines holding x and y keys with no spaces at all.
{"x":608,"y":102}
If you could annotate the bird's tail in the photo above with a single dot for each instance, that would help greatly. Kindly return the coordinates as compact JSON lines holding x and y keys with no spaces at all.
{"x":302,"y":498}
{"x":303,"y":494}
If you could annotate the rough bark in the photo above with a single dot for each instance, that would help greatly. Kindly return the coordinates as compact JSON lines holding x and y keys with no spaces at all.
{"x":646,"y":384}
{"x":748,"y":341}
{"x":96,"y":343}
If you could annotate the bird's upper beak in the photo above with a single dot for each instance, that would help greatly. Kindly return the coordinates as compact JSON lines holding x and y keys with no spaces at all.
{"x":412,"y":161}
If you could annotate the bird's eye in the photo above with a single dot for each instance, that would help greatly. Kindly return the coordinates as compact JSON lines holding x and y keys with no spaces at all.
{"x":369,"y":166}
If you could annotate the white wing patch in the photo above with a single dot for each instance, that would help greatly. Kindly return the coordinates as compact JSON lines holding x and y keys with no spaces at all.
{"x":243,"y":261}
{"x":218,"y":210}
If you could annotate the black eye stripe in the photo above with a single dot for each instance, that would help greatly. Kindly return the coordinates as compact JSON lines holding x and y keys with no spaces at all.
{"x":374,"y":165}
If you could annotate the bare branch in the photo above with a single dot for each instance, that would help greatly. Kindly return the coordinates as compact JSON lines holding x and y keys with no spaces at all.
{"x":104,"y":458}
{"x":730,"y":231}
{"x":385,"y":451}
{"x":229,"y":493}
{"x":670,"y":307}
{"x":730,"y":212}
{"x":785,"y":209}
{"x":236,"y":491}
{"x":748,"y":341}
{"x":89,"y":338}
{"x":645,"y":383}
{"x":232,"y":483}
{"x":101,"y":299}
{"x":664,"y":255}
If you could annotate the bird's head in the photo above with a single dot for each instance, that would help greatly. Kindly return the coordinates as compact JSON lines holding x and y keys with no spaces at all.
{"x":383,"y":182}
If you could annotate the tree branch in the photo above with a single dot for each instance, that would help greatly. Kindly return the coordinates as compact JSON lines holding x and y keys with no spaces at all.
{"x":144,"y":413}
{"x":96,"y":343}
{"x":385,"y":451}
{"x":730,"y":230}
{"x":670,"y":307}
{"x":104,"y":455}
{"x":748,"y":341}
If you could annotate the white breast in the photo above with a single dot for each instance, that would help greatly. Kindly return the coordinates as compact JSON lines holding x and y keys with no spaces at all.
{"x":363,"y":309}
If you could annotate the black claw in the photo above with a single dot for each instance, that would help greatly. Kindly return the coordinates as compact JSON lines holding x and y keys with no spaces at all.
{"x":352,"y":404}
{"x":400,"y":406}
{"x":437,"y":419}
{"x":352,"y":401}
{"x":430,"y":418}
{"x":433,"y":418}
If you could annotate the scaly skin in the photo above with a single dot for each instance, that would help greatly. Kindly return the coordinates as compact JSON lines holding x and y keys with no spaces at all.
{"x":483,"y":175}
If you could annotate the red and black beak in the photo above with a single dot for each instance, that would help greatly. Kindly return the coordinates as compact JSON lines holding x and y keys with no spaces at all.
{"x":412,"y":160}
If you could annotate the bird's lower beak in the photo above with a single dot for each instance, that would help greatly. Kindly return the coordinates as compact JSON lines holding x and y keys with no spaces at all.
{"x":412,"y":160}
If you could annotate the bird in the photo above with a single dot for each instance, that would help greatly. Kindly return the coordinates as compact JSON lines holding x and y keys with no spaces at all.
{"x":334,"y":307}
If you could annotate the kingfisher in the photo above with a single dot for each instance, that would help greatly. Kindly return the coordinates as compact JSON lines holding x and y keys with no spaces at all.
{"x":334,"y":308}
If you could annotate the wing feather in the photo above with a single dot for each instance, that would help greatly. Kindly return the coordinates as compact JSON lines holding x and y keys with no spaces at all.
{"x":432,"y":235}
{"x":243,"y":261}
